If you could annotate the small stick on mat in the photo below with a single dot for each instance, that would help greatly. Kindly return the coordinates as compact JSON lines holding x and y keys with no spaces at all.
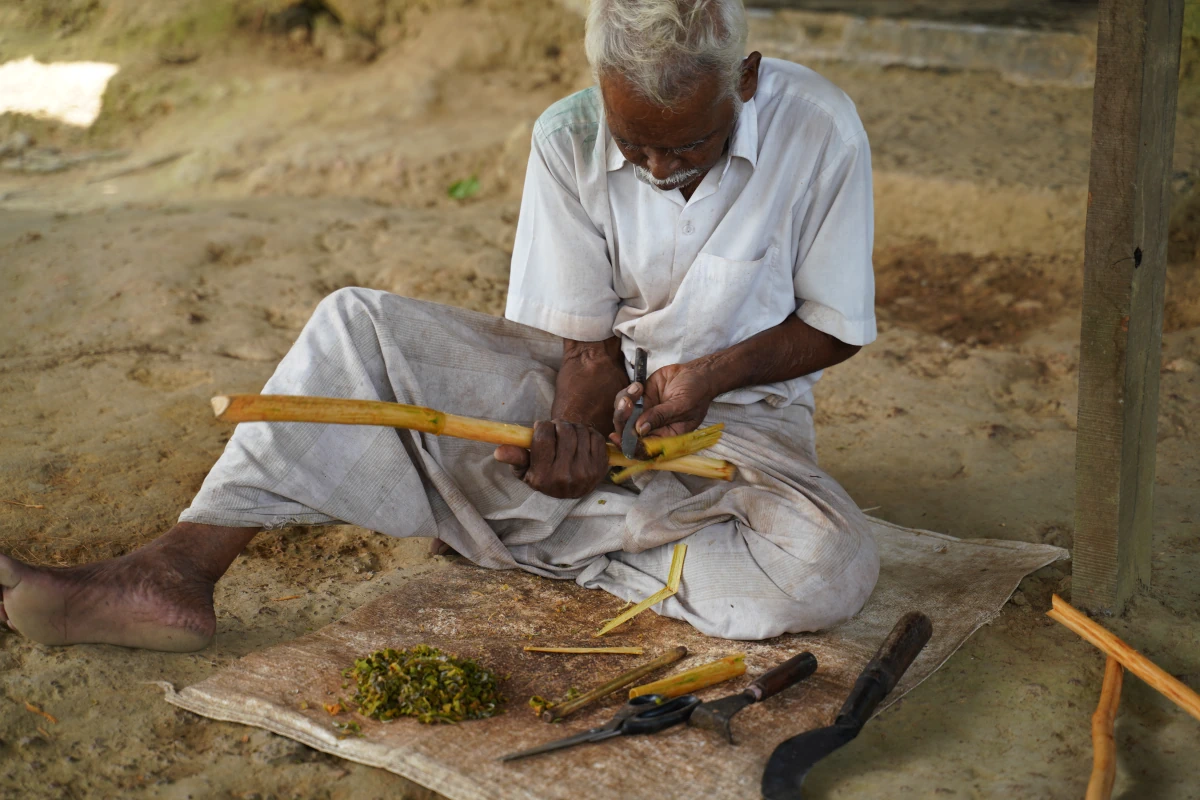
{"x":334,"y":410}
{"x":619,"y":682}
{"x":1104,"y":758}
{"x":674,"y":576}
{"x":1131,"y":659}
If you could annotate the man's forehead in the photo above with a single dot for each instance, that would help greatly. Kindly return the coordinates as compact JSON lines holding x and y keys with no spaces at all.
{"x":641,"y":121}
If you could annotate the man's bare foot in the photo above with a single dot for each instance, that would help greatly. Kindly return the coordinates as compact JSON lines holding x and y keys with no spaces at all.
{"x":439,"y":548}
{"x":158,"y":597}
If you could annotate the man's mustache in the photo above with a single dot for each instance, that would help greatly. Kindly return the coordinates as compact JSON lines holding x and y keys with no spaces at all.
{"x":681,"y":178}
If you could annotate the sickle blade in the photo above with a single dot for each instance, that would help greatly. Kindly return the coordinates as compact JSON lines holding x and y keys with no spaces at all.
{"x":793,"y":758}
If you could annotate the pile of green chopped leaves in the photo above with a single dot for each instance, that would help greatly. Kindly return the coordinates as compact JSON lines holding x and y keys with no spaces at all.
{"x":425,"y":683}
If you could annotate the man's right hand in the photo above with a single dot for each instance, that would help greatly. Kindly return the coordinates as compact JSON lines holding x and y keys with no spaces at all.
{"x":566,"y":460}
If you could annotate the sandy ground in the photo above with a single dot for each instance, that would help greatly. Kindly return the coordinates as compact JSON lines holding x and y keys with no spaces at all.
{"x":130,"y":299}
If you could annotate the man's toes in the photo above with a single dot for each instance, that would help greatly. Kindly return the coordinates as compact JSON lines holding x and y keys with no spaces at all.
{"x":10,"y":573}
{"x":9,"y":578}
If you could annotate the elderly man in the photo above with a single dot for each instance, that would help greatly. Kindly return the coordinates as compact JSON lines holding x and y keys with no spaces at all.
{"x":710,"y":207}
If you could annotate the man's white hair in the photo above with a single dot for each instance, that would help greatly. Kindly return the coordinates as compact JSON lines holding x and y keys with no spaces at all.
{"x":664,"y":47}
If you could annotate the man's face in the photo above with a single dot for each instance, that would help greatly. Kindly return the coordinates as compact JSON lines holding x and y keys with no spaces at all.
{"x":673,"y":148}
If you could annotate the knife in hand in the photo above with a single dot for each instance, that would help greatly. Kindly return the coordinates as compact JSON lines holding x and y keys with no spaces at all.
{"x":629,"y":437}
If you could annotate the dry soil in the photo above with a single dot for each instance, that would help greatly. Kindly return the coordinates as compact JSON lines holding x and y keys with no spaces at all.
{"x":259,"y":170}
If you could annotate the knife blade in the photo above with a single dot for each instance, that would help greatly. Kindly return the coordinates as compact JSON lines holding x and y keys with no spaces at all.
{"x":629,"y":437}
{"x":716,"y":715}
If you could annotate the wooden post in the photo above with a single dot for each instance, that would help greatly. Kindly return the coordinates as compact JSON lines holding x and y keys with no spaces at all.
{"x":1133,"y":132}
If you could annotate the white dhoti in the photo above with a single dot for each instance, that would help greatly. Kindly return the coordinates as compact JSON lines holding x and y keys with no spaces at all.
{"x":781,"y":548}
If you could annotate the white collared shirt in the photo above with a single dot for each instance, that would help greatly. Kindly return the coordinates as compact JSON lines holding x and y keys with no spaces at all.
{"x":782,"y":225}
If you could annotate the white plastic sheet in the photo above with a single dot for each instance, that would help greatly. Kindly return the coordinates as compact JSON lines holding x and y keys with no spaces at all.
{"x":70,"y":92}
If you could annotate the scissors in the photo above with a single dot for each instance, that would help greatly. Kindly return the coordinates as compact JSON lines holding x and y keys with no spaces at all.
{"x":649,"y":713}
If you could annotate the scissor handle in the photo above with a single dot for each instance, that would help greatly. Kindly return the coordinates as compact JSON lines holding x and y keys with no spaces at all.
{"x":659,"y":713}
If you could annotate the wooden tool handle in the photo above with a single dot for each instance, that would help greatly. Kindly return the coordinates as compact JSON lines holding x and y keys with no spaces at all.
{"x":884,"y":671}
{"x":900,"y":649}
{"x":775,"y":680}
{"x":340,"y":411}
{"x":1131,"y":659}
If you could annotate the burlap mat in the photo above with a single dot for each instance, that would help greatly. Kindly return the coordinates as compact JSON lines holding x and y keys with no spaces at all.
{"x":492,"y":615}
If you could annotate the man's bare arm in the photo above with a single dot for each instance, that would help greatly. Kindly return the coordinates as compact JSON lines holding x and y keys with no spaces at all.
{"x":790,"y":350}
{"x":678,"y":396}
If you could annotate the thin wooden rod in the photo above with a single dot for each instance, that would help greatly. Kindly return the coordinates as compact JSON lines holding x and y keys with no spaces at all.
{"x":339,"y":411}
{"x":1104,"y":747}
{"x":1131,"y":659}
{"x":619,"y":682}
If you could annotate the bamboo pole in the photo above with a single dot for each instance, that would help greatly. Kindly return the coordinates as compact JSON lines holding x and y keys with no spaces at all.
{"x":1104,"y":748}
{"x":333,"y":410}
{"x":696,"y":678}
{"x":619,"y":682}
{"x":1131,"y":659}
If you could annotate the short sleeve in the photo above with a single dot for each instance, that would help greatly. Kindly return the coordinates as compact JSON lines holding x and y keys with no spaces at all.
{"x":833,"y":276}
{"x":561,"y":279}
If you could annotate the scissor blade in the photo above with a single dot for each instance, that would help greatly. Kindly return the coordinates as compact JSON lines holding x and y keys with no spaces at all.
{"x":593,"y":735}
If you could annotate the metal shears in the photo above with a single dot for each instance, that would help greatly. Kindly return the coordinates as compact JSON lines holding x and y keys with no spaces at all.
{"x":649,"y":713}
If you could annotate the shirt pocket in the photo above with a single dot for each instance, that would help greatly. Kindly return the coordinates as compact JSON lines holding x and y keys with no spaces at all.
{"x":728,"y":301}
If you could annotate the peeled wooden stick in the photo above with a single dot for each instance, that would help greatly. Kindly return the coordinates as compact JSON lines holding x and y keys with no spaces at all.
{"x":1129,"y":658}
{"x":696,"y":678}
{"x":624,"y":651}
{"x":288,"y":408}
{"x":1104,"y":749}
{"x":674,"y":576}
{"x":668,"y":448}
{"x":619,"y":682}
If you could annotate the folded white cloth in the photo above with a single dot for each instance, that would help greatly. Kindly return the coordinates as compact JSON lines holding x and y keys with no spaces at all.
{"x":781,"y":548}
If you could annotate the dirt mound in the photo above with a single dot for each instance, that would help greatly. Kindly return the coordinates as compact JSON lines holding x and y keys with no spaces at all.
{"x":968,"y":299}
{"x":999,"y":299}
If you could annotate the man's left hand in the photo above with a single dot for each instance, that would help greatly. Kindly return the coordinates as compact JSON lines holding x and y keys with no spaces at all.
{"x":677,"y":400}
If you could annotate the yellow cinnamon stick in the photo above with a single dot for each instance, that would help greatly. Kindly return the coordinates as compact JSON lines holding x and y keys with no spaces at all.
{"x":696,"y":678}
{"x":333,"y":410}
{"x":674,"y":576}
{"x":668,"y":448}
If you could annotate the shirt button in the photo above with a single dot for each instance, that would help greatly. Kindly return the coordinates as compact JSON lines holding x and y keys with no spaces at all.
{"x":689,"y":228}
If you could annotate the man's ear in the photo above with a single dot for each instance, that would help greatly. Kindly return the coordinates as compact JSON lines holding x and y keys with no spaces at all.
{"x":748,"y":83}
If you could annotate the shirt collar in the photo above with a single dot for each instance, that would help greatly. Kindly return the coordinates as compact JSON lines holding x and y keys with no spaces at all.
{"x":744,"y":143}
{"x":615,"y":159}
{"x":745,"y":135}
